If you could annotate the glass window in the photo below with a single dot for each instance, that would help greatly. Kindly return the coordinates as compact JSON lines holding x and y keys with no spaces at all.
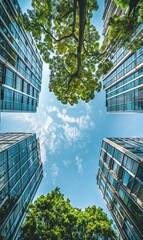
{"x":123,"y":195}
{"x":115,"y":168}
{"x":12,"y":151}
{"x":107,"y":159}
{"x":130,"y":231}
{"x":110,"y":149}
{"x":3,"y":157}
{"x":100,"y":164}
{"x":136,"y":211}
{"x":9,"y":73}
{"x":130,"y":164}
{"x":25,"y":87}
{"x":12,"y":161}
{"x":112,"y":180}
{"x":140,"y":193}
{"x":119,"y":212}
{"x":104,"y":145}
{"x":140,"y":173}
{"x":118,"y":155}
{"x":105,"y":171}
{"x":18,"y":83}
{"x":108,"y":194}
{"x":136,"y":187}
{"x":9,"y":80}
{"x":127,"y":179}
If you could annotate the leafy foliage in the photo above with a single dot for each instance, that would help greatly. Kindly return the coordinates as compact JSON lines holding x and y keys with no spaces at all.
{"x":123,"y":28}
{"x":52,"y":217}
{"x":69,"y":43}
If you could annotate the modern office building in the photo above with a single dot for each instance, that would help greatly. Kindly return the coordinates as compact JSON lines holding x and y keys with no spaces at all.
{"x":21,"y":172}
{"x":20,"y":62}
{"x":120,"y":179}
{"x":124,"y":82}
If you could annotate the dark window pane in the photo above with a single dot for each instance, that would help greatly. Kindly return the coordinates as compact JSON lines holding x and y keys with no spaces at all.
{"x":140,"y":173}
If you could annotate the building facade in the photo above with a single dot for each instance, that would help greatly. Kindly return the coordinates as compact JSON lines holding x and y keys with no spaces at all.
{"x":20,"y":62}
{"x":120,"y":180}
{"x":124,"y":82}
{"x":21,"y":172}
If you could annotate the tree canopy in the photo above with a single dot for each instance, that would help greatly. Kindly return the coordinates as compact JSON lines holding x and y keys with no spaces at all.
{"x":69,"y":43}
{"x":52,"y":217}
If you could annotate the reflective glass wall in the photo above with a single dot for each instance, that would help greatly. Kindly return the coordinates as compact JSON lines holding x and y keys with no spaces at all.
{"x":124,"y":82}
{"x":20,"y":175}
{"x":120,"y":179}
{"x":20,"y":63}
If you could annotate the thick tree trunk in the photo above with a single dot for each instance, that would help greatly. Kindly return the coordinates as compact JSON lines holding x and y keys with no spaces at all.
{"x":82,"y":22}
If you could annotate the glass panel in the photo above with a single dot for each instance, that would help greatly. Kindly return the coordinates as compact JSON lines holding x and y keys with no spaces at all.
{"x":110,"y":149}
{"x":118,"y":155}
{"x":140,"y":173}
{"x":137,"y":213}
{"x":127,"y":179}
{"x":104,"y":145}
{"x":140,"y":193}
{"x":130,"y":230}
{"x":112,"y":180}
{"x":107,"y":159}
{"x":19,"y":83}
{"x":115,"y":167}
{"x":105,"y":171}
{"x":130,"y":164}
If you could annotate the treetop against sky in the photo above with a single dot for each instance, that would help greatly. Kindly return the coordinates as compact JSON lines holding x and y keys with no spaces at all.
{"x":53,"y":217}
{"x":70,"y":44}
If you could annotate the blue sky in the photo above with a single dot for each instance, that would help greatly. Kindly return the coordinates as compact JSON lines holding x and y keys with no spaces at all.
{"x":71,"y":138}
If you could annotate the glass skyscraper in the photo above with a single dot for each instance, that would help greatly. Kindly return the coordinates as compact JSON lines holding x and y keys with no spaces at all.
{"x":120,"y":179}
{"x":20,"y":62}
{"x":124,"y":82}
{"x":21,"y":172}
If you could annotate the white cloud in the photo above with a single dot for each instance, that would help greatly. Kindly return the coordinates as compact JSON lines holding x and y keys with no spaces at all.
{"x":54,"y":126}
{"x":88,"y":107}
{"x":71,"y":133}
{"x":52,"y":109}
{"x":66,"y":163}
{"x":78,"y":162}
{"x":55,"y":172}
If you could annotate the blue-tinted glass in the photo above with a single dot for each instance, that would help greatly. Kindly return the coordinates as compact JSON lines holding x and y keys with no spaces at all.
{"x":110,"y":149}
{"x":104,"y":145}
{"x":118,"y":155}
{"x":127,"y":179}
{"x":105,"y":171}
{"x":19,"y":83}
{"x":115,"y":167}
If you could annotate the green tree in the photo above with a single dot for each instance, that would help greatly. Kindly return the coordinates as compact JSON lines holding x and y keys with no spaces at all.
{"x":122,"y":28}
{"x":52,"y":217}
{"x":69,"y":43}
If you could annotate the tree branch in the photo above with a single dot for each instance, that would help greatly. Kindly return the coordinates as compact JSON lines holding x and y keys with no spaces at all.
{"x":57,"y":40}
{"x":66,"y":14}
